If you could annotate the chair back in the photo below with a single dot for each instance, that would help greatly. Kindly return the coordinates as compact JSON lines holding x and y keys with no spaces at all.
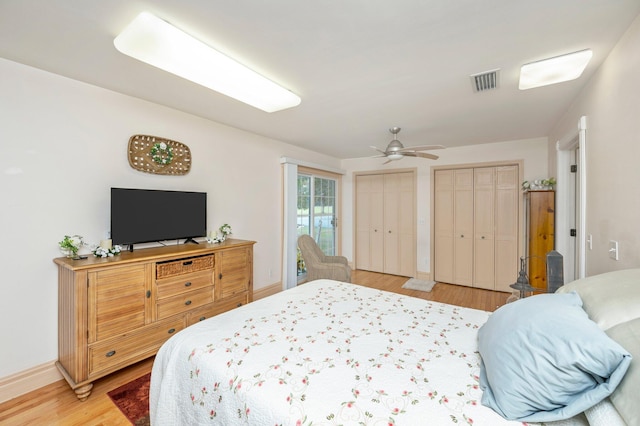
{"x":310,"y":251}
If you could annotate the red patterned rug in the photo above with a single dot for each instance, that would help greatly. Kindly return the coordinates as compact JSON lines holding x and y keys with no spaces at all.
{"x":133,"y":400}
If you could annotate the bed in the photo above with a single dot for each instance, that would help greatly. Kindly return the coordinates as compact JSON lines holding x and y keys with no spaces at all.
{"x":328,"y":352}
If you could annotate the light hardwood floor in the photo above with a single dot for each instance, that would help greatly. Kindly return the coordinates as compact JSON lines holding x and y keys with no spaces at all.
{"x":56,"y":404}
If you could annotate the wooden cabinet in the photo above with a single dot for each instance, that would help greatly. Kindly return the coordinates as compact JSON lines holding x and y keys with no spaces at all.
{"x":540,"y":211}
{"x":476,"y":216}
{"x":385,"y":223}
{"x":116,"y":311}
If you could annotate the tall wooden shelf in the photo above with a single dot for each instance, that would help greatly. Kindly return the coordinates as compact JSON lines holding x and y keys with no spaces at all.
{"x":116,"y":311}
{"x":540,"y":209}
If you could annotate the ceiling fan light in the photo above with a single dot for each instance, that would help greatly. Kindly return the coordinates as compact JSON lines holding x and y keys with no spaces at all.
{"x":554,"y":70}
{"x":156,"y":42}
{"x":394,"y":156}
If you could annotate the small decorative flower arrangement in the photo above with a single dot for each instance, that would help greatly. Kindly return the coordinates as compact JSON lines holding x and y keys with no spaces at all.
{"x":107,"y":252}
{"x":225,"y":230}
{"x":71,"y":244}
{"x":161,"y":153}
{"x":539,"y":184}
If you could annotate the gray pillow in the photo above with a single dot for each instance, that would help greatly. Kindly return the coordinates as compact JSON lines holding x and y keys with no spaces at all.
{"x":626,"y":397}
{"x":544,"y":360}
{"x":611,"y":298}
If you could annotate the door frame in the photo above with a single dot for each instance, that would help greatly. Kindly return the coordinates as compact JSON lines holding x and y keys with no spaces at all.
{"x":521,"y":242}
{"x":290,"y":214}
{"x":564,"y":147}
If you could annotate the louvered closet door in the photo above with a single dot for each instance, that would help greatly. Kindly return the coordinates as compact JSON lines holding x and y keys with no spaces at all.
{"x":483,"y":254}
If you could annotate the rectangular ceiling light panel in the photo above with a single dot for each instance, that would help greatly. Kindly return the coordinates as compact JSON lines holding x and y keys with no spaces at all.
{"x":554,"y":70}
{"x":154,"y":41}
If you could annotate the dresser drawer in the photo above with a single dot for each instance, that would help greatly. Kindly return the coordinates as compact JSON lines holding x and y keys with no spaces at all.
{"x":213,"y":309}
{"x":173,"y":286}
{"x":184,"y":266}
{"x":114,"y":353}
{"x":184,"y":302}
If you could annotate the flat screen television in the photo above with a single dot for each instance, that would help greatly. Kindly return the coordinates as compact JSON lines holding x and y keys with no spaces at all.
{"x":146,"y":215}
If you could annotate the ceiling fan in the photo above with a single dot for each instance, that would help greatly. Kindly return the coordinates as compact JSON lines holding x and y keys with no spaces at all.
{"x":395,"y":150}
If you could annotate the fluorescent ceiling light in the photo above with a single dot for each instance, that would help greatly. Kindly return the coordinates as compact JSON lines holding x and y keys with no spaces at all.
{"x":158,"y":43}
{"x":554,"y":70}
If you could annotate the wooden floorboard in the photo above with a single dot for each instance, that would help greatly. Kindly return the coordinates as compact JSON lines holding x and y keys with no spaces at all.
{"x":56,"y":404}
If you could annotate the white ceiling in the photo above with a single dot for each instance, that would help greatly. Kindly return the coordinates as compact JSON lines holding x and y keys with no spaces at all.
{"x":360,"y":66}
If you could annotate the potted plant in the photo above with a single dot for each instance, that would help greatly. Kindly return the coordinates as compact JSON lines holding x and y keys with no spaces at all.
{"x":71,"y":244}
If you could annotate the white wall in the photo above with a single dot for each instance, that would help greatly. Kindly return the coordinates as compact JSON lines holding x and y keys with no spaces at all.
{"x":611,"y":103}
{"x":532,"y":151}
{"x":64,"y":144}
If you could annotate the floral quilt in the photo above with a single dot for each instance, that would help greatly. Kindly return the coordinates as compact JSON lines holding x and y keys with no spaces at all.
{"x":325,"y":353}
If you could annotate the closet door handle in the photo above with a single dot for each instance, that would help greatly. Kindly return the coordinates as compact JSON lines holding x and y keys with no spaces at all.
{"x":389,"y":231}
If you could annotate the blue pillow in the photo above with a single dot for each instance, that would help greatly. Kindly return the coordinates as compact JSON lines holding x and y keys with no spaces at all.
{"x":543,"y":359}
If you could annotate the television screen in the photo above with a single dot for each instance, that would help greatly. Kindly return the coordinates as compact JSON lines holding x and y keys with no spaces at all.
{"x":145,"y":215}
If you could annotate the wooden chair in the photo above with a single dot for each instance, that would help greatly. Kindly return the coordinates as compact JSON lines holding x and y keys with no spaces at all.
{"x":320,"y":265}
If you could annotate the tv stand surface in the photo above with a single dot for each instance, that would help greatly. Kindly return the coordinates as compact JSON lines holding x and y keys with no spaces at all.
{"x":150,"y":294}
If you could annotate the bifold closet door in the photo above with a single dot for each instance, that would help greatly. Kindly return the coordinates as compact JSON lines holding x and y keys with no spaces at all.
{"x":483,"y":250}
{"x":506,"y":226}
{"x":399,"y":229}
{"x":369,"y":222}
{"x":476,"y":216}
{"x":454,"y":226}
{"x":385,"y":223}
{"x":443,"y":232}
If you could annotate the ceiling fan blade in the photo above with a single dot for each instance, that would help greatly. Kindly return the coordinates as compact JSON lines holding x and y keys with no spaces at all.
{"x":388,"y":161}
{"x":421,"y":148}
{"x":422,"y":155}
{"x":377,"y":149}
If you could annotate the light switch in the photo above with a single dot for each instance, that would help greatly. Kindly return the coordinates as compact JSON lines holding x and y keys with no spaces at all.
{"x":613,"y":250}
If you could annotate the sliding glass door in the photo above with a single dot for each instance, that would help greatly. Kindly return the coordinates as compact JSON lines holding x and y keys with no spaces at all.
{"x":317,"y":212}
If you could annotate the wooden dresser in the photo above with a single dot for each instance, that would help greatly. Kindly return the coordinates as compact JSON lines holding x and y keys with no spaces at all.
{"x":114,"y":312}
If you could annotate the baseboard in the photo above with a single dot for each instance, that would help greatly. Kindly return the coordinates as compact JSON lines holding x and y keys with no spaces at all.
{"x":29,"y":380}
{"x":426,"y":276}
{"x":267,"y":291}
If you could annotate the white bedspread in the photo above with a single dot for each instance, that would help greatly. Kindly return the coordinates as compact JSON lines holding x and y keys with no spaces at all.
{"x":325,"y":353}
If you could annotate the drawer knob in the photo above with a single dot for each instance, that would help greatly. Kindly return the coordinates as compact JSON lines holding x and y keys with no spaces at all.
{"x":188,"y":302}
{"x":239,"y":304}
{"x":110,"y":354}
{"x":148,"y":294}
{"x":190,"y":262}
{"x":202,"y":318}
{"x":187,"y":284}
{"x":171,"y":330}
{"x":220,"y":276}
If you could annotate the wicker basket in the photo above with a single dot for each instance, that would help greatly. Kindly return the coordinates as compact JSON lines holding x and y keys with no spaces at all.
{"x":140,"y":156}
{"x":183,"y":266}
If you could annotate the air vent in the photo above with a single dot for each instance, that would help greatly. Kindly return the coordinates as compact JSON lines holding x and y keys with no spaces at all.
{"x":488,"y":80}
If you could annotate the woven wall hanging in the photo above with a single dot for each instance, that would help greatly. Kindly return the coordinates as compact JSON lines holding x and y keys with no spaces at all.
{"x":160,"y":156}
